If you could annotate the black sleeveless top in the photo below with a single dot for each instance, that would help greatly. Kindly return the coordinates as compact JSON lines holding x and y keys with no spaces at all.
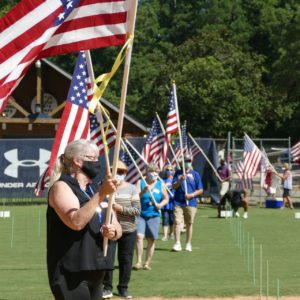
{"x":72,"y":250}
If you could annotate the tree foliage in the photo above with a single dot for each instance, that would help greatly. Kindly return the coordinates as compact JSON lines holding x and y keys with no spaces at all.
{"x":236,"y":64}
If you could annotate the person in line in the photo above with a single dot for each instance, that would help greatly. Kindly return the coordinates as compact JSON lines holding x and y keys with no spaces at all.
{"x":149,"y":220}
{"x":224,"y":174}
{"x":167,"y":212}
{"x":76,"y":224}
{"x":236,"y":198}
{"x":187,"y":188}
{"x":287,"y":186}
{"x":127,"y":207}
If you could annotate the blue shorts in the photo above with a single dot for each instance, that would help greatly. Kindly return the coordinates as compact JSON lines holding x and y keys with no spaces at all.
{"x":286,"y":192}
{"x":167,"y":217}
{"x":148,"y":227}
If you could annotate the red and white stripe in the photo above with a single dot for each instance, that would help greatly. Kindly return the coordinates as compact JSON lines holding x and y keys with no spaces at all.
{"x":28,"y":33}
{"x":295,"y":152}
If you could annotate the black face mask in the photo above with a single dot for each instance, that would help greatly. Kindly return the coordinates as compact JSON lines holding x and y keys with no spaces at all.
{"x":91,"y":168}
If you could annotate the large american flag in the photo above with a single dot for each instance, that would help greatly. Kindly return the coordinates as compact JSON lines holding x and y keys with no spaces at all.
{"x":185,"y":148}
{"x":40,"y":28}
{"x":154,"y":145}
{"x":76,"y":121}
{"x":248,"y":167}
{"x":133,"y":175}
{"x":295,"y":152}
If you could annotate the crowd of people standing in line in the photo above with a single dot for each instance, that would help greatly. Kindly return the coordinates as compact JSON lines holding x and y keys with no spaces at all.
{"x":77,"y":265}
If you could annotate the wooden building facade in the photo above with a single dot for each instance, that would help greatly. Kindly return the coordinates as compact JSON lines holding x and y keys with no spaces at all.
{"x":27,"y":116}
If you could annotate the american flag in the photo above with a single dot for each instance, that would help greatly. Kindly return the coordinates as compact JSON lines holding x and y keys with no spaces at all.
{"x":133,"y":175}
{"x":95,"y":131}
{"x":41,"y":28}
{"x":248,"y":167}
{"x":172,"y":118}
{"x":184,"y":145}
{"x":76,"y":121}
{"x":154,"y":145}
{"x":295,"y":152}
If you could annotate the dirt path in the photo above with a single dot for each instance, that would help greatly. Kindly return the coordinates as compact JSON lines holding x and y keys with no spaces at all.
{"x":234,"y":298}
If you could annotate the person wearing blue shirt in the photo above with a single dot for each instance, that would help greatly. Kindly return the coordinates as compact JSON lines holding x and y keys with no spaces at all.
{"x":167,"y":212}
{"x":153,"y":197}
{"x":187,"y":188}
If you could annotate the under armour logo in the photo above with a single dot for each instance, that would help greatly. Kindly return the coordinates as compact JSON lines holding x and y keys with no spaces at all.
{"x":12,"y":156}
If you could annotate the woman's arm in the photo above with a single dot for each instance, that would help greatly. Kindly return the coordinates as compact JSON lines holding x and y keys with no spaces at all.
{"x":67,"y":206}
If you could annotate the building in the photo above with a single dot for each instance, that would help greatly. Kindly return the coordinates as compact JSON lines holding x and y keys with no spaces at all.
{"x":36,"y":106}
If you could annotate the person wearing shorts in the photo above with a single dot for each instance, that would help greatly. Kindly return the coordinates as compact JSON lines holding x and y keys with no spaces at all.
{"x":224,"y":175}
{"x":187,"y":188}
{"x":149,"y":219}
{"x":287,"y":185}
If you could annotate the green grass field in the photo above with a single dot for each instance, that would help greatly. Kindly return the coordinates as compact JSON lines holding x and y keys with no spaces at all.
{"x":221,"y":263}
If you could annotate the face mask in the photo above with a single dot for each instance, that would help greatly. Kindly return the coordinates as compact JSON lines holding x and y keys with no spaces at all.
{"x":152,"y":176}
{"x":188,"y":164}
{"x":169,"y":173}
{"x":120,"y":177}
{"x":91,"y":168}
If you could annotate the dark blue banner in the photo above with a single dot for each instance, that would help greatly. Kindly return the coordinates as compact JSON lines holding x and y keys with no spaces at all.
{"x":22,"y":162}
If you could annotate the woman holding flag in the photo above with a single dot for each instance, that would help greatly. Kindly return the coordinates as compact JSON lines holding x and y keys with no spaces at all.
{"x":76,"y":224}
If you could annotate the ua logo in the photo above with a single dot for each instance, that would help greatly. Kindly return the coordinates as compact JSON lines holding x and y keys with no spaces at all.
{"x":12,"y":156}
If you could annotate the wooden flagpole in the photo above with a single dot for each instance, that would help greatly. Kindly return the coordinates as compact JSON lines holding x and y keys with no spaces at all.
{"x":134,"y":149}
{"x":164,"y":132}
{"x":99,"y":111}
{"x":131,"y":26}
{"x":180,"y":138}
{"x":141,"y":157}
{"x":207,"y":159}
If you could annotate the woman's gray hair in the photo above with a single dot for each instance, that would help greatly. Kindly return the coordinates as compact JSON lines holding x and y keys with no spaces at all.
{"x":153,"y":166}
{"x":63,"y":164}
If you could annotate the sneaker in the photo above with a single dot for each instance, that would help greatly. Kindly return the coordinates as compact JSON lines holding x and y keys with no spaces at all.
{"x":124,"y":294}
{"x":177,"y":247}
{"x":107,"y":294}
{"x":172,"y":236}
{"x":245,"y":215}
{"x":137,"y":266}
{"x":164,"y":239}
{"x":237,"y":214}
{"x":188,"y":247}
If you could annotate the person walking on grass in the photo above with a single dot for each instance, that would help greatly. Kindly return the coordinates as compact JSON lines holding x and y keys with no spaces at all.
{"x":186,"y":201}
{"x":127,"y":207}
{"x":167,"y":211}
{"x":149,"y":220}
{"x":287,"y":185}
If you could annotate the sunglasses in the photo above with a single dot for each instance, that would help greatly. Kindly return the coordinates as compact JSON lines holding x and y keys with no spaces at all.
{"x":121,"y":172}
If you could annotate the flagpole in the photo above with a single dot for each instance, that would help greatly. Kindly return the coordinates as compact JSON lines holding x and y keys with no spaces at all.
{"x":180,"y":139}
{"x":99,"y":111}
{"x":207,"y":159}
{"x":141,"y":157}
{"x":131,"y":23}
{"x":128,"y":152}
{"x":164,"y":132}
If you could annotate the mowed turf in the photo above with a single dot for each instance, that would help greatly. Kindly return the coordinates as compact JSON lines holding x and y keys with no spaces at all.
{"x":221,"y":263}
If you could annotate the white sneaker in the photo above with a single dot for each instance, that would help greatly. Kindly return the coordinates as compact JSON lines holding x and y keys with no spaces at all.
{"x":177,"y":247}
{"x":237,"y":214}
{"x":245,"y":215}
{"x":164,"y":239}
{"x":188,"y":247}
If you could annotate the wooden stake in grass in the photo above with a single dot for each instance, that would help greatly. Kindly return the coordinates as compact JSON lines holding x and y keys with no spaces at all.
{"x":267,"y":291}
{"x":253,"y":257}
{"x":39,"y":226}
{"x":278,"y":291}
{"x":12,"y":231}
{"x":248,"y":250}
{"x":260,"y":271}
